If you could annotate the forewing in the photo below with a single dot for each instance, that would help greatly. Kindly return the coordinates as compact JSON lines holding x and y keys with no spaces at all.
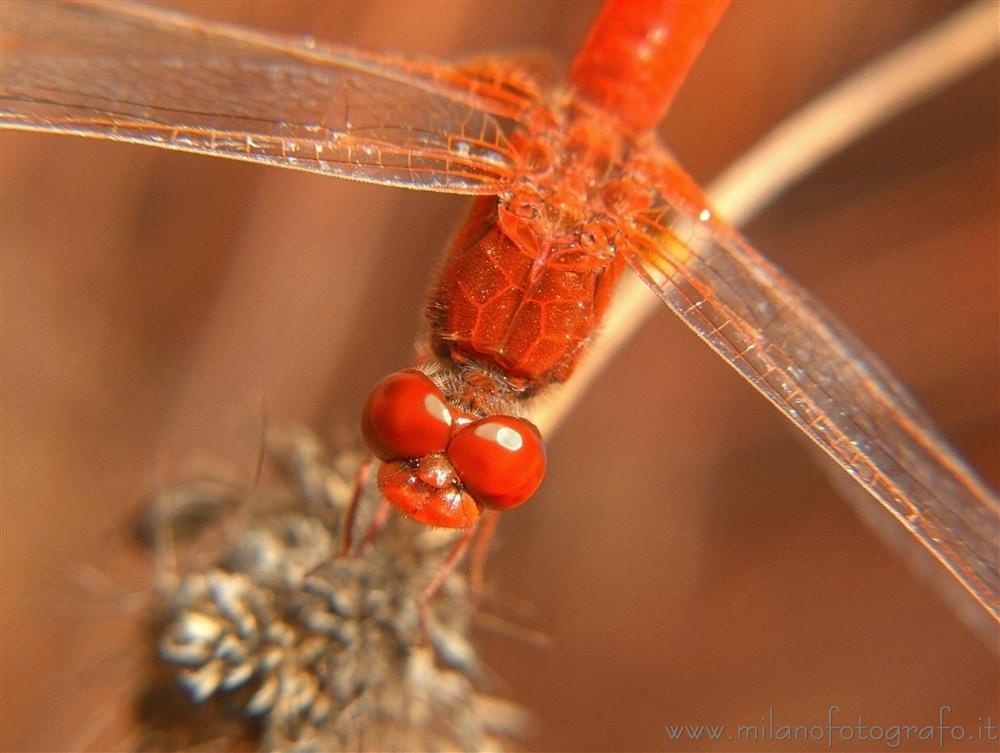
{"x":139,"y":74}
{"x":836,"y":391}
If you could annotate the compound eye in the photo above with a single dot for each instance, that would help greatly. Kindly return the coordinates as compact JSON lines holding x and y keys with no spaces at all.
{"x":405,"y":416}
{"x":500,"y":459}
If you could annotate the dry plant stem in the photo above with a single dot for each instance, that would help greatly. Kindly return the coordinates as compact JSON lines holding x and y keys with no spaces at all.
{"x":899,"y":79}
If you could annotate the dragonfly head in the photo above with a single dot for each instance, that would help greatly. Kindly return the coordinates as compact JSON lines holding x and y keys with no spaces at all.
{"x":441,"y":464}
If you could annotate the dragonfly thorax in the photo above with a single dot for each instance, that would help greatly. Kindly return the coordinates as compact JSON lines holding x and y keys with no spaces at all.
{"x":529,"y":275}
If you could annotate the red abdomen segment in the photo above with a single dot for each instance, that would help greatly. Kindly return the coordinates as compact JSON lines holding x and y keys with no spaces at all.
{"x":637,"y":55}
{"x":527,"y":312}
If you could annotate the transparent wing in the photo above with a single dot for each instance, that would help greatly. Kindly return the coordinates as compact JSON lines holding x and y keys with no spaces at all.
{"x":816,"y":373}
{"x":138,"y":74}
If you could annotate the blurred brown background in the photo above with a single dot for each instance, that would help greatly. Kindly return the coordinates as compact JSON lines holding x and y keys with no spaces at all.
{"x":687,"y":555}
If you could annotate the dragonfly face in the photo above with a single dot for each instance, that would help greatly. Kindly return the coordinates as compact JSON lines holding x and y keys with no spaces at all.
{"x":441,"y":464}
{"x":725,"y":443}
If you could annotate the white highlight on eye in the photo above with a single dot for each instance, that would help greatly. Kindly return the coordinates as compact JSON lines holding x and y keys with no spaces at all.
{"x":705,"y":215}
{"x":436,"y":408}
{"x":506,"y":437}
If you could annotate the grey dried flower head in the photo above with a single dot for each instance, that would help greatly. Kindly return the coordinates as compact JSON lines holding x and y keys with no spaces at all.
{"x":280,"y":645}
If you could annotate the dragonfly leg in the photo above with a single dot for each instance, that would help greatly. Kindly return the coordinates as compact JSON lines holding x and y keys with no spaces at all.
{"x":480,"y":550}
{"x":447,"y":568}
{"x":377,"y":523}
{"x":360,"y":482}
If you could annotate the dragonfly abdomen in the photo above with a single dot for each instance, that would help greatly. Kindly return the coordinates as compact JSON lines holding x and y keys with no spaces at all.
{"x":637,"y":55}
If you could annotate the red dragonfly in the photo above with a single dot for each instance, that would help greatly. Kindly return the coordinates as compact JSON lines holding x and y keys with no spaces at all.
{"x":572,"y":186}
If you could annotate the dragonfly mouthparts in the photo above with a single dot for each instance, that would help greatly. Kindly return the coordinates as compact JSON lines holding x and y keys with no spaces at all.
{"x":429,"y":491}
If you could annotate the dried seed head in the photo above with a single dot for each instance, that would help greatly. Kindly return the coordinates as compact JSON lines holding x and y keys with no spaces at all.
{"x":323,"y":653}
